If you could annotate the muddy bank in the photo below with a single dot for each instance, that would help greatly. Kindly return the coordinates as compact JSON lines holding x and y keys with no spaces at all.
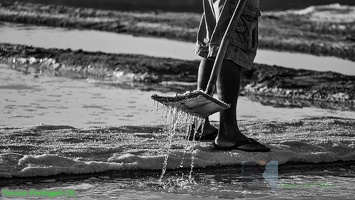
{"x":180,"y":6}
{"x":81,"y":64}
{"x":262,"y":80}
{"x":291,"y":31}
{"x":301,"y":84}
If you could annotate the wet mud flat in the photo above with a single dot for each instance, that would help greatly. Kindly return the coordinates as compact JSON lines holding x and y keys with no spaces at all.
{"x":307,"y":31}
{"x":47,"y":150}
{"x":262,"y":80}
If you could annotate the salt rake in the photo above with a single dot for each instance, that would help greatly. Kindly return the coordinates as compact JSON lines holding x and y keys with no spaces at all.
{"x":201,"y":103}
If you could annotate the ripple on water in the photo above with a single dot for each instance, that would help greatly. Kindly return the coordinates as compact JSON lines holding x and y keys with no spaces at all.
{"x":16,"y":87}
{"x":227,"y":183}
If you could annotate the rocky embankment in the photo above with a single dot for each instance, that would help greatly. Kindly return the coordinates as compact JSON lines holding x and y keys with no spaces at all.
{"x":320,"y":30}
{"x":263,"y":80}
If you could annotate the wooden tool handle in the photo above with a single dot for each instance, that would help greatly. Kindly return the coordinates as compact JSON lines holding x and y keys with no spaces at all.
{"x":223,"y":48}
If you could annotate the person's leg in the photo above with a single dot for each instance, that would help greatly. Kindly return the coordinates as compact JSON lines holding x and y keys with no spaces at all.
{"x":204,"y":72}
{"x":228,"y":85}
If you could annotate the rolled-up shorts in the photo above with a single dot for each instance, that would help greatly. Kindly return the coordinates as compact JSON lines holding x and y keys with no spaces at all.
{"x":244,"y":39}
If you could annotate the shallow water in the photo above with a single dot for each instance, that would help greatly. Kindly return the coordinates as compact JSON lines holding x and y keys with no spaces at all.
{"x":245,"y":182}
{"x":88,"y":40}
{"x":28,"y":99}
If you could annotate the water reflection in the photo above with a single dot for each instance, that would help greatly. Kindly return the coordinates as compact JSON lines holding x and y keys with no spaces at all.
{"x":230,"y":182}
{"x":28,"y":99}
{"x":88,"y":40}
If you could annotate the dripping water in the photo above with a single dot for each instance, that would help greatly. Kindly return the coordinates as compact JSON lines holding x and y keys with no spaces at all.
{"x":177,"y":119}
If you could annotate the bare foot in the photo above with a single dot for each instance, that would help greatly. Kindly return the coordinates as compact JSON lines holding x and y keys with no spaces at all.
{"x":229,"y":135}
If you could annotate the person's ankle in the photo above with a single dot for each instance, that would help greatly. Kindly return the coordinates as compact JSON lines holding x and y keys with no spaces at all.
{"x":230,"y":140}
